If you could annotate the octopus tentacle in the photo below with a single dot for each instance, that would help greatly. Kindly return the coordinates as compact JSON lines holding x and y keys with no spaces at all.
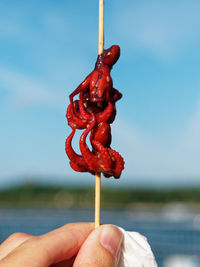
{"x":118,"y":163}
{"x":102,"y":134}
{"x":116,"y":95}
{"x":72,"y":155}
{"x":87,"y":154}
{"x":105,"y":115}
{"x":103,"y":156}
{"x":74,"y":120}
{"x":77,"y":167}
{"x":80,"y":88}
{"x":84,"y":114}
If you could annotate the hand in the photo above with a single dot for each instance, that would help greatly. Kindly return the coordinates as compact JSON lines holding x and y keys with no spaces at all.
{"x":75,"y":244}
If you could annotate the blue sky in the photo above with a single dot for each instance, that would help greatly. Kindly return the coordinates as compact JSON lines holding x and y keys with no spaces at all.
{"x":46,"y":50}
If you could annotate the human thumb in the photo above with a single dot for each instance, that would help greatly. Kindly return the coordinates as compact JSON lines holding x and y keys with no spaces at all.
{"x":102,"y":248}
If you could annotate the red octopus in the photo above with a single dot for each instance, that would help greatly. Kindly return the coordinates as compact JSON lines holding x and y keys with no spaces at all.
{"x":94,"y":111}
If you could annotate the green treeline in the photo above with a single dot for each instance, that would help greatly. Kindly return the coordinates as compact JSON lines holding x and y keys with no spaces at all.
{"x":35,"y":195}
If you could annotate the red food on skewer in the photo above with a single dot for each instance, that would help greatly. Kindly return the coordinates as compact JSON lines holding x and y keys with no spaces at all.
{"x":94,"y":111}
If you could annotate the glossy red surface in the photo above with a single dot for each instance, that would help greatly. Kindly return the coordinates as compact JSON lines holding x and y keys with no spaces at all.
{"x":94,"y":111}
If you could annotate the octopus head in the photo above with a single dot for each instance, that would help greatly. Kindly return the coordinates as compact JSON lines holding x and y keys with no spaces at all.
{"x":111,"y":55}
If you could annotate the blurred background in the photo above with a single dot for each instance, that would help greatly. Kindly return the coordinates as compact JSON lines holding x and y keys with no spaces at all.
{"x":46,"y":49}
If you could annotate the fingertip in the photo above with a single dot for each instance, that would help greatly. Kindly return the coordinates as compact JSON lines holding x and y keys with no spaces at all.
{"x":101,"y":248}
{"x":12,"y":242}
{"x":111,"y":239}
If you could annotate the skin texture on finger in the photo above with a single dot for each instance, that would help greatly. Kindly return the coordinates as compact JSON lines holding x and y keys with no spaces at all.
{"x":102,"y":248}
{"x":53,"y":247}
{"x":67,"y":263}
{"x":12,"y":242}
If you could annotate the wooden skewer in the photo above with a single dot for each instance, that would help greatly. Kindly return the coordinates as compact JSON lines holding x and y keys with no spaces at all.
{"x":98,"y":175}
{"x":101,"y":27}
{"x":97,"y":199}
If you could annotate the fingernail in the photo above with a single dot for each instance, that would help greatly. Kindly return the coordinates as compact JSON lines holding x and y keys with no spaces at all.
{"x":111,"y":239}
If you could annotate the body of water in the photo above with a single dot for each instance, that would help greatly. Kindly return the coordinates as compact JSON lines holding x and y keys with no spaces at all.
{"x":173,"y":231}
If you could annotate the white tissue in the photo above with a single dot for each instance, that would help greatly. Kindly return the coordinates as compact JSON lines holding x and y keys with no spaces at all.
{"x":136,"y":252}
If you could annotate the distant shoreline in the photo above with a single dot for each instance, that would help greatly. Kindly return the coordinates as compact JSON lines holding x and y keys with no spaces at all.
{"x":33,"y":195}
